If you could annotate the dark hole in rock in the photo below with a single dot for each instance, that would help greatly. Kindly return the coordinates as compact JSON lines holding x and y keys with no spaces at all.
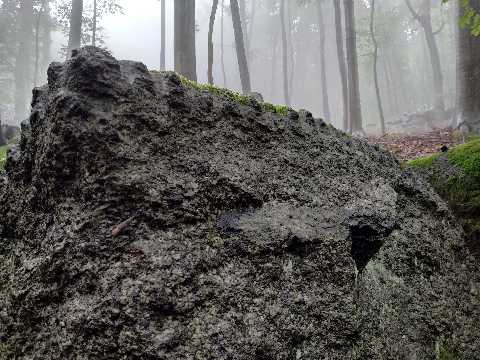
{"x":365,"y":244}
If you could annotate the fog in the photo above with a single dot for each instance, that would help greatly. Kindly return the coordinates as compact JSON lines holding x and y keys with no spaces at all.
{"x":404,"y":68}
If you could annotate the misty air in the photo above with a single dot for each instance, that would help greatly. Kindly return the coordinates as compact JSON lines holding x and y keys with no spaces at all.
{"x":240,"y":179}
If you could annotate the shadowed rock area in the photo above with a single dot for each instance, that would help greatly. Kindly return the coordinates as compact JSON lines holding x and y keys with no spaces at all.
{"x":143,"y":219}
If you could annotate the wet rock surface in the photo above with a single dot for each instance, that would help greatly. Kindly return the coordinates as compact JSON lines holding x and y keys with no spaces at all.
{"x":142,"y":219}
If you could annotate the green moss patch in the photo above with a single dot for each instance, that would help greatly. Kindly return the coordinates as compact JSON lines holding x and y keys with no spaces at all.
{"x":281,"y":110}
{"x":3,"y":156}
{"x":467,"y":157}
{"x":424,"y":161}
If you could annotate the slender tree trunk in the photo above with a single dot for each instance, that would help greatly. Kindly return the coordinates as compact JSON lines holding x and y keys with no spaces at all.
{"x":323,"y":63}
{"x":162,"y":39}
{"x":284,"y":53}
{"x":184,"y":39}
{"x":468,"y":74}
{"x":37,"y":43}
{"x":424,"y":18}
{"x":355,"y":109}
{"x":241,"y":56}
{"x":250,"y":31}
{"x":75,"y":34}
{"x":274,"y":65}
{"x":22,"y":62}
{"x":94,"y":25}
{"x":375,"y":70}
{"x":291,"y":52}
{"x":243,"y":18}
{"x":46,"y":26}
{"x":210,"y":41}
{"x":341,"y":61}
{"x":222,"y":45}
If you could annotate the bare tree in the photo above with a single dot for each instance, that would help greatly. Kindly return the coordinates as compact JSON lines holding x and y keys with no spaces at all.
{"x":37,"y":42}
{"x":375,"y":70}
{"x":210,"y":41}
{"x":222,"y":45}
{"x":284,"y":53}
{"x":354,"y":107}
{"x":323,"y":63}
{"x":424,"y":18}
{"x":341,"y":61}
{"x":162,"y":40}
{"x":94,"y":24}
{"x":23,"y":57}
{"x":75,"y":33}
{"x":239,"y":44}
{"x":184,"y":39}
{"x":468,"y":74}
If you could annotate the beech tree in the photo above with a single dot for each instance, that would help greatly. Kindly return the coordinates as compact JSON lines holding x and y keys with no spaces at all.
{"x":354,"y":106}
{"x":184,"y":39}
{"x":284,"y":53}
{"x":240,"y":47}
{"x":424,"y":18}
{"x":22,"y":74}
{"x":341,"y":60}
{"x":323,"y":63}
{"x":468,"y":70}
{"x":75,"y":32}
{"x":210,"y":41}
{"x":162,"y":40}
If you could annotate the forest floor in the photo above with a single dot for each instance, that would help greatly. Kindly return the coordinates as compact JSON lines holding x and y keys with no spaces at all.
{"x":408,"y":147}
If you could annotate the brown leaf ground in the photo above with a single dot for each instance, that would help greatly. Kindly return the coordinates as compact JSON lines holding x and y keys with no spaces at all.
{"x":408,"y":147}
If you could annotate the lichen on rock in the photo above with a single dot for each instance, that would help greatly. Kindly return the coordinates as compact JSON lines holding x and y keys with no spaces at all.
{"x":142,"y":219}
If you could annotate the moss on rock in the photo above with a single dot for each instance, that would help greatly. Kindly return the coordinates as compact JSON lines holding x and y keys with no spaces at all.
{"x":3,"y":156}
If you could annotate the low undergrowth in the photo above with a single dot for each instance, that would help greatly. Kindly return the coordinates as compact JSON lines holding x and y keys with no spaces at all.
{"x":456,"y":177}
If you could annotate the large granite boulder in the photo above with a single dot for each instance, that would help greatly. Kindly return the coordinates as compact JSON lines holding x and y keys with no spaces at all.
{"x":143,"y":218}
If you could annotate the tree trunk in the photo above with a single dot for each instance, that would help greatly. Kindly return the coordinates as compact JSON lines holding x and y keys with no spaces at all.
{"x":222,"y":45}
{"x":274,"y":65}
{"x":210,"y":41}
{"x":250,"y":31}
{"x":75,"y":34}
{"x":291,"y":53}
{"x":341,"y":61}
{"x":240,"y":47}
{"x":22,"y":62}
{"x":37,"y":43}
{"x":46,"y":25}
{"x":243,"y":19}
{"x":184,"y":39}
{"x":354,"y":107}
{"x":375,"y":70}
{"x":468,"y":74}
{"x":94,"y":25}
{"x":323,"y":63}
{"x":284,"y":53}
{"x":424,"y":18}
{"x":162,"y":39}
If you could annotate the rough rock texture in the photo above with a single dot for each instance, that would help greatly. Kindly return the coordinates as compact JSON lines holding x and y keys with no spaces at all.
{"x":249,"y":236}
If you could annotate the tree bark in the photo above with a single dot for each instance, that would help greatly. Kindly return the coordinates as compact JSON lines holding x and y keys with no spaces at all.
{"x":240,"y":47}
{"x":243,"y":19}
{"x":424,"y":18}
{"x":184,"y":39}
{"x":341,"y":61}
{"x":222,"y":45}
{"x":375,"y":70}
{"x":37,"y":43}
{"x":354,"y":106}
{"x":210,"y":41}
{"x":162,"y":39}
{"x":468,"y":74}
{"x":284,"y":53}
{"x":323,"y":63}
{"x":94,"y":25}
{"x":75,"y":34}
{"x":22,"y":75}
